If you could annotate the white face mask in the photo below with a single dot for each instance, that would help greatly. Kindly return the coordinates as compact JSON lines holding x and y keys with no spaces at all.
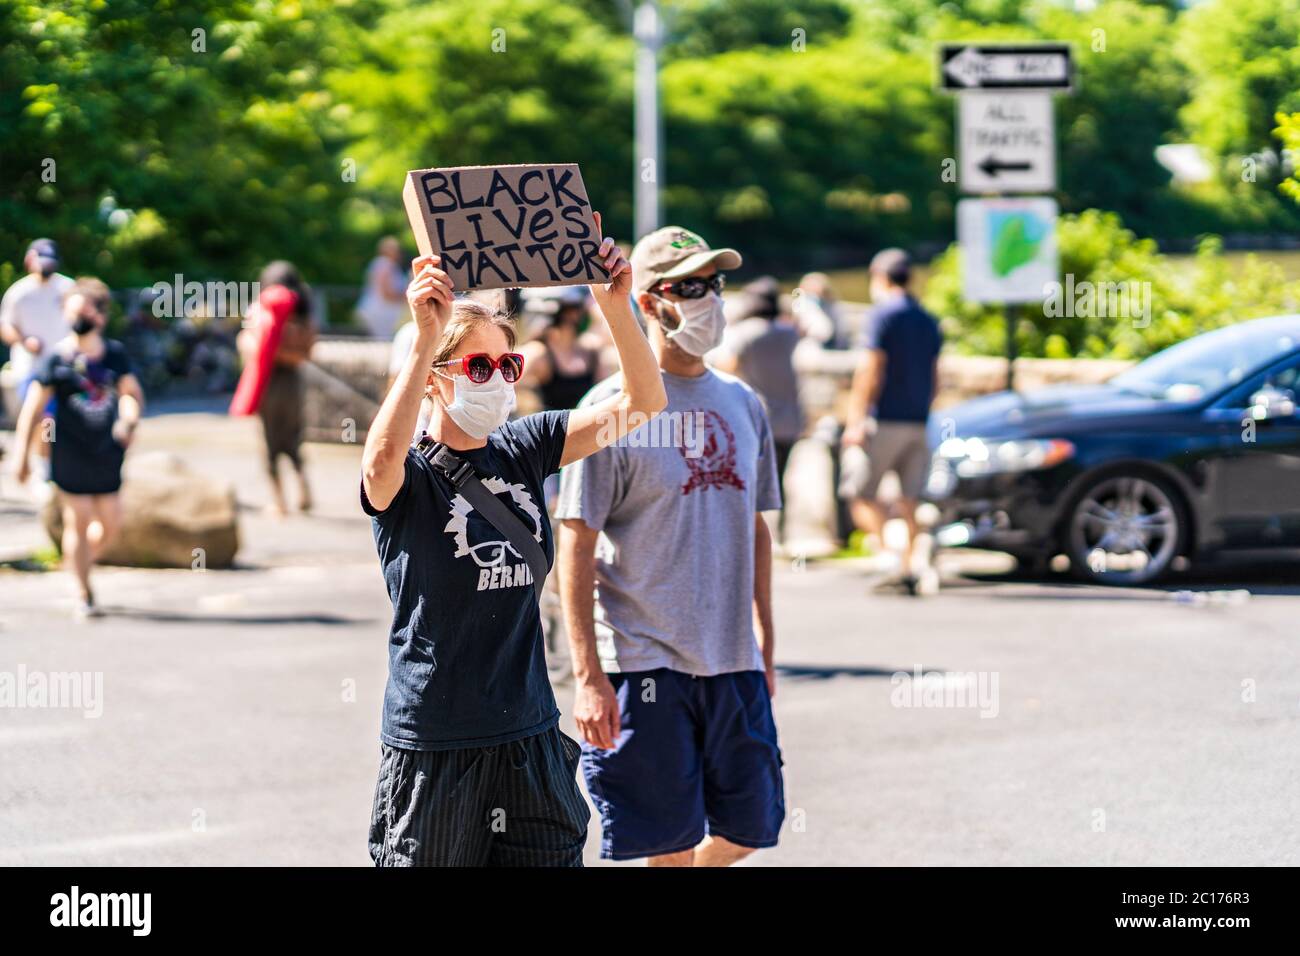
{"x":702,"y":324}
{"x":480,"y":409}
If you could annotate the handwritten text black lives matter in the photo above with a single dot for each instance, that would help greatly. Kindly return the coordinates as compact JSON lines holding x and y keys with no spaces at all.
{"x":507,"y":227}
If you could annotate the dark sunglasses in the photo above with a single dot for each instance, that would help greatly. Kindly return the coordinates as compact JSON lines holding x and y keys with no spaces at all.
{"x":695,"y":287}
{"x":478,"y":368}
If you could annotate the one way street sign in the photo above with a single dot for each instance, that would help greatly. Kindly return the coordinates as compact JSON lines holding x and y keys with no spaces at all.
{"x":1041,"y":66}
{"x":1007,"y":142}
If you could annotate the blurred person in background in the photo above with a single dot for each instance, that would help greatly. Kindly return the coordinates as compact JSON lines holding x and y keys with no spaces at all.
{"x":97,"y":406}
{"x":893,"y":387}
{"x":561,"y":361}
{"x":758,"y":347}
{"x":382,"y":306}
{"x":31,"y":317}
{"x":817,"y":313}
{"x":689,"y":775}
{"x":277,"y":338}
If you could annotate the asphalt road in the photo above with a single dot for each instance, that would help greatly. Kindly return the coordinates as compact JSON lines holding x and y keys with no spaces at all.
{"x":1057,"y":724}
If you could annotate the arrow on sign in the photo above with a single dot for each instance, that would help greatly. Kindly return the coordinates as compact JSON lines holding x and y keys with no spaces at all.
{"x":992,"y":166}
{"x":967,"y":67}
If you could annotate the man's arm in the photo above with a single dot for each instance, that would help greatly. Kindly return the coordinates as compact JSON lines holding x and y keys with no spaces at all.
{"x":868,"y":379}
{"x":763,"y":599}
{"x":595,"y":707}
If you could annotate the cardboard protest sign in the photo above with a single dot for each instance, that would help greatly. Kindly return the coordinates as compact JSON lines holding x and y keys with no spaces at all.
{"x":505,"y":227}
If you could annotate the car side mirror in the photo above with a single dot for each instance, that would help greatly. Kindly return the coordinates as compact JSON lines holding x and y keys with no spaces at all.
{"x":1271,"y":402}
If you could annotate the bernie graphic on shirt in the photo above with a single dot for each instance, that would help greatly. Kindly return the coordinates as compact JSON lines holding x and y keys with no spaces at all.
{"x":500,"y":564}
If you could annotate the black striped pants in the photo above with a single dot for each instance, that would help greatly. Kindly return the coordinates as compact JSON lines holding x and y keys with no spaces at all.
{"x":515,"y":804}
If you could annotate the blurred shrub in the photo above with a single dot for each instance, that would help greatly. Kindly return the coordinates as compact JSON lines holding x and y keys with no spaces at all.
{"x":1288,"y":132}
{"x":1186,"y":296}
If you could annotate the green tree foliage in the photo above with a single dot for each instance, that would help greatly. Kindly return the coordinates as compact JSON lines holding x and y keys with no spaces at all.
{"x":159,"y":137}
{"x":1288,"y":133}
{"x":1243,"y":63}
{"x":289,"y":132}
{"x":475,"y":82}
{"x":783,"y":154}
{"x":1185,"y":297}
{"x":701,"y":28}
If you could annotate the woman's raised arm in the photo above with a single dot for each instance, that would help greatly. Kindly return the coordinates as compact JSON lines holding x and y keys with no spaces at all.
{"x":383,"y":463}
{"x":642,"y":396}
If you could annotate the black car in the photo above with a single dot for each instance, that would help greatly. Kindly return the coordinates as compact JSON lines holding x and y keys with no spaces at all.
{"x":1193,"y":452}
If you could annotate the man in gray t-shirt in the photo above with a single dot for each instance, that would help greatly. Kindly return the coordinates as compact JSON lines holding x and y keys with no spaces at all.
{"x":665,"y":571}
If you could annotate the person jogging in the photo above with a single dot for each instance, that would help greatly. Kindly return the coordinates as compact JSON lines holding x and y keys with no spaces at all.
{"x":473,"y":769}
{"x":97,"y":405}
{"x":671,"y":625}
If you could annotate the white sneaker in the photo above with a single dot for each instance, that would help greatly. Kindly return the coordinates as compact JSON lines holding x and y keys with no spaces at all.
{"x":86,"y":610}
{"x":927,"y":583}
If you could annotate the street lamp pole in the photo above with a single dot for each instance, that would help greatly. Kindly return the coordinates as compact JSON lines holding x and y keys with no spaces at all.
{"x":646,"y":27}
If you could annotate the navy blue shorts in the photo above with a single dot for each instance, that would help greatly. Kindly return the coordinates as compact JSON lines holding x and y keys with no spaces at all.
{"x":694,"y":755}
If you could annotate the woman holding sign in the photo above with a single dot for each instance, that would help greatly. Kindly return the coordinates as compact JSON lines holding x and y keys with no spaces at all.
{"x":474,"y":770}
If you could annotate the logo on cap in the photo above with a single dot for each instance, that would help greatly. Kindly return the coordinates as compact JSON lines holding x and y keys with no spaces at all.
{"x":685,"y":240}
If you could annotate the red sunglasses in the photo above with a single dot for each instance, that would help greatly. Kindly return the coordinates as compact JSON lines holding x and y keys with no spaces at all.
{"x":479,"y":366}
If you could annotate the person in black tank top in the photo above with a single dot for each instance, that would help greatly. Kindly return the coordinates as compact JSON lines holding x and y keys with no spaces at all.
{"x":565,"y":390}
{"x":558,"y":364}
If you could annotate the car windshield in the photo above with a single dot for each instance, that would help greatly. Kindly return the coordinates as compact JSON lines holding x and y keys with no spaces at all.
{"x":1203,"y":365}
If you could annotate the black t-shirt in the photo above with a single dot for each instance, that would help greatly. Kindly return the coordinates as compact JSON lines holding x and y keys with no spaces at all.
{"x":466,"y":661}
{"x":85,"y":458}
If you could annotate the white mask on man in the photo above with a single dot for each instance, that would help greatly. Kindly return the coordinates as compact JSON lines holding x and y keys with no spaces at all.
{"x":702,"y":324}
{"x":479,"y":409}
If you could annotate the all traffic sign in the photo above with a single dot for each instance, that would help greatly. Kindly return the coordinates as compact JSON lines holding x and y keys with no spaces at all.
{"x":1038,"y":66}
{"x":1007,"y":142}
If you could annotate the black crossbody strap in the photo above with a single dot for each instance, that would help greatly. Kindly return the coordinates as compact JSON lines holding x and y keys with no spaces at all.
{"x":461,"y":475}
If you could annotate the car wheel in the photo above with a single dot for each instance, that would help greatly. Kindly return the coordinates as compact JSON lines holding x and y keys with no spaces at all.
{"x":1125,"y":529}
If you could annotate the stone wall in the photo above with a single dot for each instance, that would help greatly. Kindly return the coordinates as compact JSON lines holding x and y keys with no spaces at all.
{"x":347,"y":378}
{"x":345,"y":382}
{"x":824,"y":377}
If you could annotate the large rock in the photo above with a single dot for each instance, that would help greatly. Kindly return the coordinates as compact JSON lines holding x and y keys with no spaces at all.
{"x":172,"y":517}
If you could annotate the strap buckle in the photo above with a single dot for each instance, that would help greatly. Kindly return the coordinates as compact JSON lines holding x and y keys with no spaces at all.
{"x":457,"y":470}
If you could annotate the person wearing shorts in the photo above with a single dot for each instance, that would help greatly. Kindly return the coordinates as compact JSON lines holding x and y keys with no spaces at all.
{"x":665,"y":574}
{"x":893,"y":388}
{"x":97,"y":405}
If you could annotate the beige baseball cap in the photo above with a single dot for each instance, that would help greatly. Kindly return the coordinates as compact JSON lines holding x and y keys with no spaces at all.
{"x":673,"y":253}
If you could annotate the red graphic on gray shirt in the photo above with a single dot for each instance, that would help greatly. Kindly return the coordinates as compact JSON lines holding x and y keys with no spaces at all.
{"x":712,"y":462}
